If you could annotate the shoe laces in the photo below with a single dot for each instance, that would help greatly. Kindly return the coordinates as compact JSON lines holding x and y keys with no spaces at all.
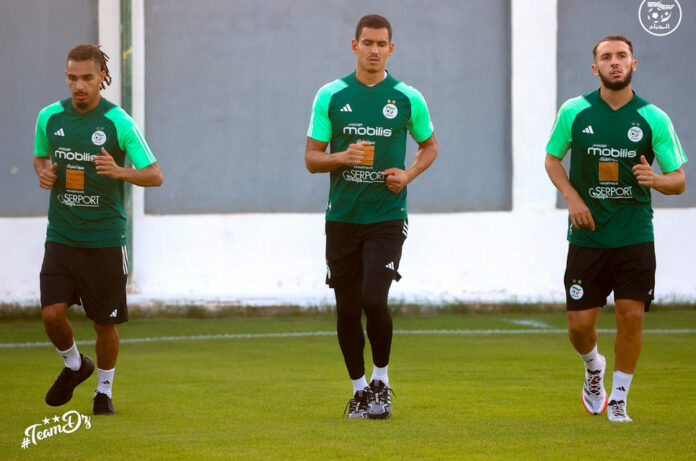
{"x":382,"y":392}
{"x":593,"y":382}
{"x":360,"y":401}
{"x":618,"y":408}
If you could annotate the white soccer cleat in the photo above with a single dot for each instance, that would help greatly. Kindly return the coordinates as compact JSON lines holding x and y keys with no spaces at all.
{"x":616,"y":411}
{"x":594,"y":397}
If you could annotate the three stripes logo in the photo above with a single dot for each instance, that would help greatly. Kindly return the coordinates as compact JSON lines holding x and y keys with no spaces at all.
{"x":390,"y":266}
{"x":588,"y":130}
{"x":114,"y":314}
{"x":346,"y":108}
{"x":60,"y":132}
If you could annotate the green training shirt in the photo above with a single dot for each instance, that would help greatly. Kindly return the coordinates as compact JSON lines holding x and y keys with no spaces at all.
{"x":347,"y":111}
{"x":86,"y":209}
{"x":605,"y":144}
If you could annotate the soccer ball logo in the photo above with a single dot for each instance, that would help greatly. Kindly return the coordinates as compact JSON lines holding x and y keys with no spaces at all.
{"x":660,"y":18}
{"x":390,"y":111}
{"x":576,"y":291}
{"x":98,"y":138}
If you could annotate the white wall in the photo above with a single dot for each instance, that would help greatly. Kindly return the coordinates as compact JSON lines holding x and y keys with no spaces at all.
{"x":279,"y":258}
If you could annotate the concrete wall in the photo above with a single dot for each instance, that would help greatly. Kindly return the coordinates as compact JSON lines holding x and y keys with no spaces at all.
{"x":263,"y":258}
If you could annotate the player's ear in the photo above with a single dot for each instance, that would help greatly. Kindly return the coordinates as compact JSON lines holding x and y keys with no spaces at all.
{"x":594,"y":70}
{"x":354,"y":46}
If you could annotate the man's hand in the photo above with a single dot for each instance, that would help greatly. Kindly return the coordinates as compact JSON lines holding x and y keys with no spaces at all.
{"x":396,"y":179}
{"x":644,"y":173}
{"x":106,"y":165}
{"x":355,"y":154}
{"x":580,"y":215}
{"x":48,"y":177}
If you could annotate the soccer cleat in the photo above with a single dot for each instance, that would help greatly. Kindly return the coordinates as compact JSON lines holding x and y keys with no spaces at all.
{"x":62,"y":390}
{"x":357,"y":406}
{"x":380,"y":406}
{"x":616,"y":411}
{"x":594,"y":397}
{"x":102,"y":405}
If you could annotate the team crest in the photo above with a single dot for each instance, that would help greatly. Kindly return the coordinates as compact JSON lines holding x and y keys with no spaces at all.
{"x":635,"y":134}
{"x":390,"y":110}
{"x":98,"y":138}
{"x":576,"y":292}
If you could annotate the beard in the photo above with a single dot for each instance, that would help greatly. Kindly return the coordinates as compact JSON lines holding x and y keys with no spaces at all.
{"x":617,"y":84}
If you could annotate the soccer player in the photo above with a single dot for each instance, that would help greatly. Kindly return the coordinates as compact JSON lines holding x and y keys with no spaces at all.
{"x":365,"y":116}
{"x":614,"y":135}
{"x":80,"y":148}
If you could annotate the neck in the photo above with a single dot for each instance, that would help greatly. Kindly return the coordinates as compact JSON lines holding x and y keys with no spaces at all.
{"x":369,"y":78}
{"x":616,"y":98}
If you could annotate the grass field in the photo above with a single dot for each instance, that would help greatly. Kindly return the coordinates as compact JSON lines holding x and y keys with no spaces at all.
{"x":488,"y":392}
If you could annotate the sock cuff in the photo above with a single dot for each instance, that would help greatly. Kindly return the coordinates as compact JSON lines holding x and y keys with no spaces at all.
{"x":74,"y":346}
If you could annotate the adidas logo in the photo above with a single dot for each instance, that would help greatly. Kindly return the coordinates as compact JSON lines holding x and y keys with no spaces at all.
{"x":622,"y":389}
{"x":59,"y":132}
{"x":588,"y":130}
{"x":106,"y":382}
{"x":346,"y":108}
{"x":390,"y":265}
{"x":114,"y":313}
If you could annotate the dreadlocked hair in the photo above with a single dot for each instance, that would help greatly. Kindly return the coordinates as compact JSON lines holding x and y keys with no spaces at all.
{"x":88,"y":51}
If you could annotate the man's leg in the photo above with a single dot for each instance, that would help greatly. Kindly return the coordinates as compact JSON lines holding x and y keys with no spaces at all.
{"x":629,"y":340}
{"x":77,"y":368}
{"x":107,"y":352}
{"x":57,"y":326}
{"x":582,"y":330}
{"x":351,"y":338}
{"x":375,"y":294}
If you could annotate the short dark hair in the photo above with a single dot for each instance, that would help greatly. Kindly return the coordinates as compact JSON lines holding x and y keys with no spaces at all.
{"x":90,"y":52}
{"x":373,"y":21}
{"x":613,"y":38}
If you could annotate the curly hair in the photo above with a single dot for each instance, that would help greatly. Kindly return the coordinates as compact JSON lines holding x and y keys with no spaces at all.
{"x":88,"y":51}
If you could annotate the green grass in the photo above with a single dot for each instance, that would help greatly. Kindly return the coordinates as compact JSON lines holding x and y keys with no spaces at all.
{"x":514,"y":396}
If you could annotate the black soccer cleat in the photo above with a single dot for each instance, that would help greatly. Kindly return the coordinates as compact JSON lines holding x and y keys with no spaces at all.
{"x":103,"y":405}
{"x":357,"y":406}
{"x":62,"y":390}
{"x":380,"y":406}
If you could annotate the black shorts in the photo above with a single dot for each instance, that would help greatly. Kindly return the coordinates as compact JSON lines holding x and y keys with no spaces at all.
{"x":592,"y":273}
{"x":352,"y":249}
{"x":93,"y":277}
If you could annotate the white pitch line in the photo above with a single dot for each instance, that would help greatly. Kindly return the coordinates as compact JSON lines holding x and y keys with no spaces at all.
{"x":303,"y":334}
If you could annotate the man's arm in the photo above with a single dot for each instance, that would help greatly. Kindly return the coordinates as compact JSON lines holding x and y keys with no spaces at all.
{"x":318,"y":161}
{"x":149,"y":176}
{"x":46,"y":171}
{"x":397,"y":179}
{"x":580,"y":215}
{"x":672,"y":183}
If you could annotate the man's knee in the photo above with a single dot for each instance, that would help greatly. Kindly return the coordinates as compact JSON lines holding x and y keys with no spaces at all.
{"x":580,"y":324}
{"x":629,"y":318}
{"x":54,"y":314}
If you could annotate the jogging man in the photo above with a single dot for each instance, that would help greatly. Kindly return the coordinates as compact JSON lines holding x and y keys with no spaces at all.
{"x":80,"y":148}
{"x":365,"y":116}
{"x":614,"y":136}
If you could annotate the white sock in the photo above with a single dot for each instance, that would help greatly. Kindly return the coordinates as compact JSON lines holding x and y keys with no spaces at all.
{"x":380,"y":373}
{"x":592,"y":360}
{"x":71,"y":357}
{"x":106,"y":380}
{"x":359,"y":384}
{"x":620,"y":386}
